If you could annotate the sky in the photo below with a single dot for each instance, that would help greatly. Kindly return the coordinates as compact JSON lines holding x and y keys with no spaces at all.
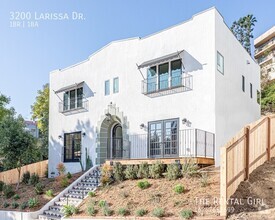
{"x":29,"y":53}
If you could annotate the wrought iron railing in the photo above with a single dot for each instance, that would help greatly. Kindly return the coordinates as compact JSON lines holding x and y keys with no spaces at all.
{"x":73,"y":105}
{"x":154,"y":86}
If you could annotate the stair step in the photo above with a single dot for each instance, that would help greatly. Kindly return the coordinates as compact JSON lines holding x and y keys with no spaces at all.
{"x":79,"y":191}
{"x":48,"y":217}
{"x":55,"y":207}
{"x":74,"y":195}
{"x":89,"y":188}
{"x":54,"y":213}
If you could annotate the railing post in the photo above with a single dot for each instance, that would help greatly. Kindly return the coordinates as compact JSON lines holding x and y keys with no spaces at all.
{"x":247,"y":135}
{"x":268,"y":138}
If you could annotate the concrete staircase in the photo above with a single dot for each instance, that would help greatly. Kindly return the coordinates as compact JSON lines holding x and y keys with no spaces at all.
{"x":75,"y":194}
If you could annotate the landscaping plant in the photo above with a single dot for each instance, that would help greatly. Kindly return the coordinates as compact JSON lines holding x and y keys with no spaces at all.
{"x":141,"y":212}
{"x":49,"y":193}
{"x":61,"y":169}
{"x":179,"y":189}
{"x":91,"y":194}
{"x":39,"y":188}
{"x":69,"y":175}
{"x":6,"y":205}
{"x":8,"y":191}
{"x":33,"y":202}
{"x":24,"y":205}
{"x":189,"y":169}
{"x":204,"y":180}
{"x":106,"y":174}
{"x":91,"y":210}
{"x":156,"y":170}
{"x":34,"y":179}
{"x":158,"y":212}
{"x":123,"y":211}
{"x":143,"y":171}
{"x":69,"y":210}
{"x":173,"y":171}
{"x":118,"y":172}
{"x":1,"y":186}
{"x":102,"y":203}
{"x":186,"y":214}
{"x":14,"y":205}
{"x":26,"y":176}
{"x":131,"y":172}
{"x":143,"y":184}
{"x":16,"y":197}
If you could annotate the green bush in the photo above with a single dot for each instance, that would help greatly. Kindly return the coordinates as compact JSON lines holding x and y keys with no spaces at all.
{"x":102,"y":203}
{"x":33,"y":202}
{"x":141,"y":212}
{"x":106,"y":174}
{"x":8,"y":191}
{"x":204,"y":180}
{"x":26,"y":176}
{"x":64,"y":181}
{"x":34,"y":179}
{"x":24,"y":205}
{"x":143,"y":184}
{"x":1,"y":186}
{"x":14,"y":205}
{"x":179,"y":188}
{"x":143,"y":171}
{"x":69,"y":210}
{"x":189,"y":169}
{"x":107,"y":211}
{"x":186,"y":214}
{"x":173,"y":171}
{"x":118,"y":172}
{"x":49,"y":193}
{"x":131,"y":172}
{"x":16,"y":197}
{"x":39,"y":188}
{"x":69,"y":175}
{"x":123,"y":211}
{"x":91,"y":194}
{"x":6,"y":205}
{"x":158,"y":212}
{"x":91,"y":210}
{"x":156,"y":170}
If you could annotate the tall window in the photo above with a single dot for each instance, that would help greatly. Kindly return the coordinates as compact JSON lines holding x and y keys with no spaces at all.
{"x":73,"y":99}
{"x":251,"y":91}
{"x":220,"y":63}
{"x":116,"y":85}
{"x":163,"y":76}
{"x":176,"y":73}
{"x":151,"y":79}
{"x":72,"y":147}
{"x":107,"y":87}
{"x":243,"y":83}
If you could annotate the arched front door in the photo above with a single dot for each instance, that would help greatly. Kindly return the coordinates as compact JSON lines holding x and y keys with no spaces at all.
{"x":117,"y":141}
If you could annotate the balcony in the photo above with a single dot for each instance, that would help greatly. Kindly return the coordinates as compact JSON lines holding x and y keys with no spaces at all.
{"x":74,"y":106}
{"x":268,"y":46}
{"x":265,"y":59}
{"x":154,"y":87}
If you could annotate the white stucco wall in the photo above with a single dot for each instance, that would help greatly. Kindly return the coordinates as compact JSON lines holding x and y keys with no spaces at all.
{"x":118,"y":59}
{"x":233,"y":107}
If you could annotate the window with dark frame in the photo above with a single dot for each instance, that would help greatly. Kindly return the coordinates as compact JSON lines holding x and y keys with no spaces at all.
{"x":72,"y":147}
{"x":251,"y":90}
{"x":73,"y":99}
{"x":243,"y":83}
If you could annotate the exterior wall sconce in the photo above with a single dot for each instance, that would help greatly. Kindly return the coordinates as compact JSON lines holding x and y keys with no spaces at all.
{"x":59,"y":136}
{"x":184,"y":121}
{"x":83,"y":134}
{"x":142,"y":126}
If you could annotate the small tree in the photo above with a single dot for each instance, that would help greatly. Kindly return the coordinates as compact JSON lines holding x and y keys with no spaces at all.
{"x":17,"y":146}
{"x":4,"y":111}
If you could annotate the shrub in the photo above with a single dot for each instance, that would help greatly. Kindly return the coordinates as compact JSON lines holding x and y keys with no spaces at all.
{"x":69,"y":210}
{"x":91,"y":210}
{"x":143,"y":171}
{"x":69,"y":175}
{"x":102,"y":203}
{"x":131,"y":172}
{"x":158,"y":212}
{"x":16,"y":197}
{"x":204,"y":180}
{"x":186,"y":214}
{"x":156,"y":170}
{"x":118,"y":172}
{"x":141,"y":212}
{"x":14,"y":205}
{"x":91,"y":194}
{"x":61,"y":168}
{"x":34,"y":179}
{"x":189,"y":169}
{"x":26,"y":177}
{"x":173,"y":171}
{"x":123,"y":211}
{"x":39,"y":188}
{"x":1,"y":186}
{"x":46,"y":172}
{"x":6,"y":205}
{"x":64,"y":182}
{"x":24,"y":205}
{"x":8,"y":191}
{"x":49,"y":193}
{"x":33,"y":202}
{"x":106,"y":174}
{"x":143,"y":184}
{"x":179,"y":188}
{"x":107,"y":211}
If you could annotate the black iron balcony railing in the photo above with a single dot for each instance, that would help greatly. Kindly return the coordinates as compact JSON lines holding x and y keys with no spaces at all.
{"x":156,"y":86}
{"x":73,"y":105}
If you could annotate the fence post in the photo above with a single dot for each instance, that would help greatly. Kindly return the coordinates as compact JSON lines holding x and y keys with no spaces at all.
{"x":223,"y":182}
{"x":268,"y":138}
{"x":247,"y":134}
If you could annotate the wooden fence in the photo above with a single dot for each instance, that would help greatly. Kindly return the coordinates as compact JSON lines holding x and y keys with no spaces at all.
{"x":250,"y":148}
{"x":11,"y":176}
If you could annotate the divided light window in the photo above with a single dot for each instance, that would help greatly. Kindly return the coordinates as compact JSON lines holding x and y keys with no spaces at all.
{"x":243,"y":83}
{"x":116,"y":85}
{"x":72,"y":147}
{"x":107,"y":87}
{"x":251,"y":91}
{"x":220,"y":63}
{"x":73,"y":99}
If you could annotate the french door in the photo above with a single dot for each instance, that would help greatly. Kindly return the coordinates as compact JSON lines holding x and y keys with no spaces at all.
{"x":163,"y":138}
{"x":72,"y":147}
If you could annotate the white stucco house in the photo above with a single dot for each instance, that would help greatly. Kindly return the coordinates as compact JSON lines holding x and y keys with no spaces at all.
{"x":183,"y":91}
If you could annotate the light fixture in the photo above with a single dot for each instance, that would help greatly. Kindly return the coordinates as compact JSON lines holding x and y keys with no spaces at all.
{"x":83,"y":134}
{"x":184,"y":121}
{"x":247,"y":62}
{"x":142,"y":126}
{"x":60,"y":137}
